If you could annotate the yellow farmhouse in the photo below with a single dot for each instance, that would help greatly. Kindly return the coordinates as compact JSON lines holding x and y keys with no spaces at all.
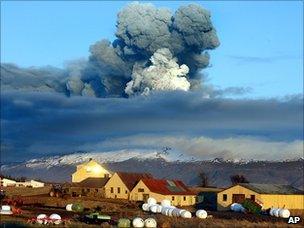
{"x":267,"y":195}
{"x":121,"y":183}
{"x":91,"y":169}
{"x":174,"y":190}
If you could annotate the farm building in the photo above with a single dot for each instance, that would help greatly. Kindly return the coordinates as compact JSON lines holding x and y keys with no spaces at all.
{"x":5,"y":182}
{"x":89,"y":187}
{"x":174,"y":190}
{"x":267,"y":195}
{"x":12,"y":183}
{"x":121,"y":184}
{"x":206,"y":197}
{"x":89,"y":169}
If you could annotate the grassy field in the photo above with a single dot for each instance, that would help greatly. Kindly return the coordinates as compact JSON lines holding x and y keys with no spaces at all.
{"x":40,"y":202}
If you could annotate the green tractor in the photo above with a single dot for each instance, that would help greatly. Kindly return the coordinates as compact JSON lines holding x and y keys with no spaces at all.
{"x":96,"y":218}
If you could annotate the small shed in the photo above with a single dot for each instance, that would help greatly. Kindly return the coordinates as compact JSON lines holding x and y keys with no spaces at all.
{"x":267,"y":195}
{"x":88,"y":187}
{"x":206,"y":197}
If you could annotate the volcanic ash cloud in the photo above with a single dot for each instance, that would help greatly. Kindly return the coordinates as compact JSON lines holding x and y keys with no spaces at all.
{"x":163,"y":74}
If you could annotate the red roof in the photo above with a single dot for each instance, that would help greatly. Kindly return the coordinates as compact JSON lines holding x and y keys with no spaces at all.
{"x":131,"y":179}
{"x":167,"y":187}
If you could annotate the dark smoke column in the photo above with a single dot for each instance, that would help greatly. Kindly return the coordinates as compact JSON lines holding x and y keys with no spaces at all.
{"x":142,"y":31}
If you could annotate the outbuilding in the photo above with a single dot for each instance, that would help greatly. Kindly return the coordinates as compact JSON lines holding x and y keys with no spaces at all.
{"x":267,"y":195}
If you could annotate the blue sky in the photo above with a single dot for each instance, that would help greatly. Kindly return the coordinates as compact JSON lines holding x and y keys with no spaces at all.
{"x":261,"y":42}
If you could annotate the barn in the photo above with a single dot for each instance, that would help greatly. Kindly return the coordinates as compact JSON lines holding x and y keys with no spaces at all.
{"x":91,"y":186}
{"x":174,"y":190}
{"x":267,"y":195}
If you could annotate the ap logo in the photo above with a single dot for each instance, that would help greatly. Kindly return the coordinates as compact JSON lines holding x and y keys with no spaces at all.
{"x":294,"y":219}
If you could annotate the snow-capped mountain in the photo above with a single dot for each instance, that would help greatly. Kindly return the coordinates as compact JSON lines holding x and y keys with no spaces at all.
{"x":165,"y":164}
{"x":107,"y":157}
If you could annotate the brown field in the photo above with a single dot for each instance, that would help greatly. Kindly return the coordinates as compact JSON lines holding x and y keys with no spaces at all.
{"x":36,"y":201}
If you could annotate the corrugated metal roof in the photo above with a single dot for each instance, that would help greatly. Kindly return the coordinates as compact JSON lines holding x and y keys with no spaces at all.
{"x":165,"y":187}
{"x":272,"y":188}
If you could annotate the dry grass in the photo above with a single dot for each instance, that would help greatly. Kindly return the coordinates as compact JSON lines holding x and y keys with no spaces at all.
{"x":123,"y":208}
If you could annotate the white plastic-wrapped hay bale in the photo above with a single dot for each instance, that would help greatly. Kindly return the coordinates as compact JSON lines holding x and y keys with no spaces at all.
{"x":138,"y":222}
{"x":69,"y":207}
{"x":175,"y":212}
{"x":271,"y":211}
{"x":151,"y":201}
{"x":166,"y":203}
{"x":159,"y":208}
{"x":276,"y":212}
{"x":153,"y":208}
{"x":164,"y":210}
{"x":201,"y":214}
{"x":145,"y":207}
{"x":181,"y":211}
{"x":41,"y":218}
{"x":170,"y":212}
{"x":150,"y":223}
{"x":236,"y":207}
{"x":284,"y":213}
{"x":55,"y":218}
{"x":186,"y":214}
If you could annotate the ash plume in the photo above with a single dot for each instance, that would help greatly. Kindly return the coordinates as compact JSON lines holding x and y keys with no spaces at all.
{"x":124,"y":67}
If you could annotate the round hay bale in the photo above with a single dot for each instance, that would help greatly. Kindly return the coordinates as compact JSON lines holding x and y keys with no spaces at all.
{"x":201,"y":214}
{"x":159,"y":208}
{"x":77,"y":207}
{"x":284,"y":213}
{"x":154,"y":208}
{"x":276,"y":212}
{"x":145,"y":207}
{"x":271,"y":211}
{"x":150,"y":223}
{"x":69,"y":207}
{"x":138,"y":222}
{"x":166,"y":203}
{"x":186,"y":214}
{"x":42,"y":218}
{"x":151,"y":201}
{"x":55,"y":218}
{"x":175,"y":212}
{"x":181,"y":211}
{"x":170,"y":212}
{"x":123,"y":223}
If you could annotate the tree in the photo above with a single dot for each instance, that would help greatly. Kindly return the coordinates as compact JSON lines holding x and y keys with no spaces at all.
{"x":203,"y":179}
{"x":238,"y":178}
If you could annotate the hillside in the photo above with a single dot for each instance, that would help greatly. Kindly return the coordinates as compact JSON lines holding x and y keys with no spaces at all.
{"x":164,"y":165}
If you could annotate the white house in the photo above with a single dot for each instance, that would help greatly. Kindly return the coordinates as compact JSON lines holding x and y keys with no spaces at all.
{"x":11,"y":183}
{"x":4,"y":182}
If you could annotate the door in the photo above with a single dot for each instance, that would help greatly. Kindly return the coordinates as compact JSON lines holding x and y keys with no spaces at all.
{"x":145,"y":197}
{"x":238,"y":198}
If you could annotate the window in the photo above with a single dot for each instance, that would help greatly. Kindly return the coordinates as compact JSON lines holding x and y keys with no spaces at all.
{"x":112,"y":190}
{"x":184,"y":198}
{"x":88,"y":190}
{"x":96,"y":189}
{"x":252,"y":197}
{"x":225,"y":197}
{"x":173,"y":198}
{"x":126,"y":192}
{"x":118,"y":190}
{"x":141,"y":190}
